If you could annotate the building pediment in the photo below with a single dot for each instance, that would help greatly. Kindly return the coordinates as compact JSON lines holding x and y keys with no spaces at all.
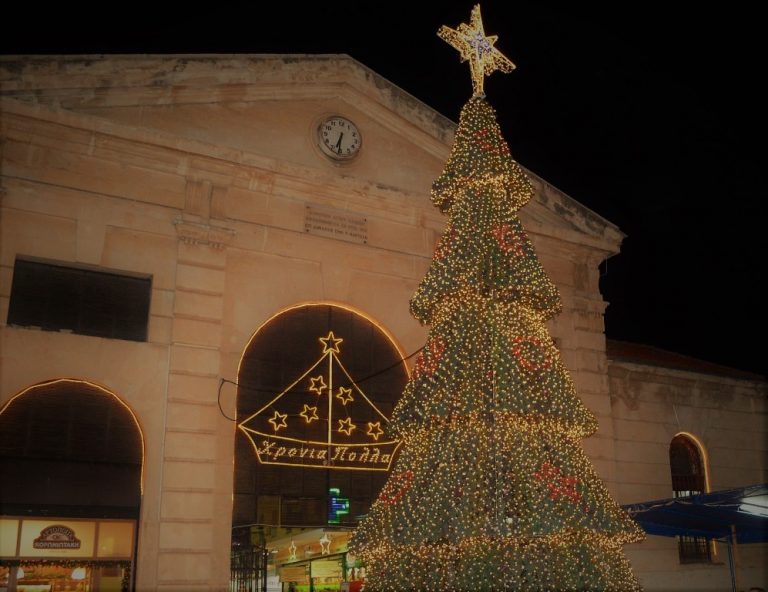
{"x":271,"y":106}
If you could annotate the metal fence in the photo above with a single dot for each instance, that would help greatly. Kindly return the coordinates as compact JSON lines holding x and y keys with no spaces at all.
{"x":248,"y":570}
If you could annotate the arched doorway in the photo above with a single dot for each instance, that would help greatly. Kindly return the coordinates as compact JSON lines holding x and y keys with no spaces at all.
{"x":317,"y":384}
{"x":71,"y":458}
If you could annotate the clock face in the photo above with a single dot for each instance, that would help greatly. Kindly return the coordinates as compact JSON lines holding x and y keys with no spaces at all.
{"x":339,"y":138}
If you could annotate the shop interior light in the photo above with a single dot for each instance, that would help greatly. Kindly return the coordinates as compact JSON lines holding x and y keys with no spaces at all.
{"x":78,"y":573}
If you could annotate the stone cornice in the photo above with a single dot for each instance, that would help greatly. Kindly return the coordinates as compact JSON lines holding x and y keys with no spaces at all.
{"x":84,"y":81}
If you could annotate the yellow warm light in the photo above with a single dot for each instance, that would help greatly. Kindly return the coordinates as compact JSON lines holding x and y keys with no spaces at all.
{"x":704,"y":455}
{"x":271,"y":448}
{"x":492,"y":489}
{"x":346,"y":426}
{"x":279,"y":420}
{"x":317,"y":385}
{"x":344,"y":395}
{"x":309,"y":413}
{"x":287,"y":445}
{"x":330,"y":343}
{"x":374,"y":430}
{"x":343,"y":306}
{"x":473,"y":45}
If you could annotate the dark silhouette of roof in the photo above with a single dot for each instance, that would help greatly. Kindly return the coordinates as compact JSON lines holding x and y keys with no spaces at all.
{"x":653,"y":356}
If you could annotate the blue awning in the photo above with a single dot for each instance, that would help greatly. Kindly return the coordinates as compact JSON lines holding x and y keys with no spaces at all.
{"x":710,"y":515}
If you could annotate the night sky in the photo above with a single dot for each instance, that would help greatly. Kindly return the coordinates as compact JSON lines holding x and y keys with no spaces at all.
{"x":647,"y":113}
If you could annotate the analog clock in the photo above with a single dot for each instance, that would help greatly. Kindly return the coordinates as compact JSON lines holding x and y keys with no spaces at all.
{"x":339,"y":138}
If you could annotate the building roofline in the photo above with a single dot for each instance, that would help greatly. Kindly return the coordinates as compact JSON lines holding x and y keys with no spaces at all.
{"x":637,"y":353}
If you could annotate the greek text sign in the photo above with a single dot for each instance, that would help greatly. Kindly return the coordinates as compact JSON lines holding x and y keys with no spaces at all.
{"x":322,"y":419}
{"x":310,"y":454}
{"x":62,"y":538}
{"x":57,"y":536}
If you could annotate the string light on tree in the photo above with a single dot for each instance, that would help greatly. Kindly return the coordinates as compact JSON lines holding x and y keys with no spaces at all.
{"x":492,"y":490}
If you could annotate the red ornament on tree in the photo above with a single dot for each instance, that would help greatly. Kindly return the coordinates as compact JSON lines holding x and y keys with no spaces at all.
{"x":531,"y":352}
{"x":485,"y":137}
{"x":396,"y":487}
{"x":426,"y":363}
{"x":559,"y":485}
{"x":508,"y":239}
{"x":444,"y":245}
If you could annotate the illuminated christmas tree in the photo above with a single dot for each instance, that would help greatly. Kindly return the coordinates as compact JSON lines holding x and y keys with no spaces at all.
{"x":492,"y":490}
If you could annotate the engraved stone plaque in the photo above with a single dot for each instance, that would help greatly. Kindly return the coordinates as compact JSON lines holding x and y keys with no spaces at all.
{"x":338,"y":224}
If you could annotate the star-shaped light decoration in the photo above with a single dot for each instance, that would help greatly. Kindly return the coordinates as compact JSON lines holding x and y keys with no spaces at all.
{"x":278,"y":421}
{"x":344,"y":395}
{"x":374,"y":430}
{"x":330,"y":343}
{"x":346,"y":426}
{"x":325,"y":544}
{"x":317,"y":384}
{"x":309,"y":414}
{"x":292,"y":549}
{"x":473,"y":45}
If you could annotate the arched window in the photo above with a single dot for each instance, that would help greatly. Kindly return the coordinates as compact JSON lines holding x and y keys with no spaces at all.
{"x":71,"y":458}
{"x":316,"y":387}
{"x":687,"y":462}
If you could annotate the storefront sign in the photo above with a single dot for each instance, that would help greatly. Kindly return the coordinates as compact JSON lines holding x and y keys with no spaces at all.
{"x":326,"y":568}
{"x":46,"y":538}
{"x":56,"y":537}
{"x":66,"y":538}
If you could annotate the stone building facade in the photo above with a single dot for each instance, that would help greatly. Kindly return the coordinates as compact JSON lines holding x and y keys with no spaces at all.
{"x":200,"y":173}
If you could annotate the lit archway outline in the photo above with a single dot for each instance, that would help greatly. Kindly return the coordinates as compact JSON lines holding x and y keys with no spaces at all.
{"x":289,"y":440}
{"x":30,"y":389}
{"x":702,"y":451}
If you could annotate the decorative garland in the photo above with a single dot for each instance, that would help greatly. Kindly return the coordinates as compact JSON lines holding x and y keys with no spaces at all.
{"x":67,"y":562}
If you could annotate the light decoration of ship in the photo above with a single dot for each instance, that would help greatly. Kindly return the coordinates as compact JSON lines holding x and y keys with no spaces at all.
{"x":323,"y":419}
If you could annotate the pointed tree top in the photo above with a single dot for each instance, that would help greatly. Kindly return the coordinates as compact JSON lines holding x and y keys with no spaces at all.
{"x":473,"y":45}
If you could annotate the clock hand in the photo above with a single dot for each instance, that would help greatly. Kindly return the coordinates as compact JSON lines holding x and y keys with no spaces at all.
{"x":338,"y":144}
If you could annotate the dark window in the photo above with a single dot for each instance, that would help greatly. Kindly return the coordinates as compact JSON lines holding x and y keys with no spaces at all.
{"x":57,"y":297}
{"x":69,"y":448}
{"x":689,"y":478}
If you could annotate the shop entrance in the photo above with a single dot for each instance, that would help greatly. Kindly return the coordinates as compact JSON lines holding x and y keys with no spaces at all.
{"x":71,"y":457}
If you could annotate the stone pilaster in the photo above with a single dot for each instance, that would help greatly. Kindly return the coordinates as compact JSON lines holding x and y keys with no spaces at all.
{"x":195,"y":508}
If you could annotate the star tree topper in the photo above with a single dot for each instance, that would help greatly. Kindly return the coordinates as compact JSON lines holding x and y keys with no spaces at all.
{"x":473,"y":45}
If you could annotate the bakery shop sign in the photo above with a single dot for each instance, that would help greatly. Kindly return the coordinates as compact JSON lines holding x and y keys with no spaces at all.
{"x":56,"y":537}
